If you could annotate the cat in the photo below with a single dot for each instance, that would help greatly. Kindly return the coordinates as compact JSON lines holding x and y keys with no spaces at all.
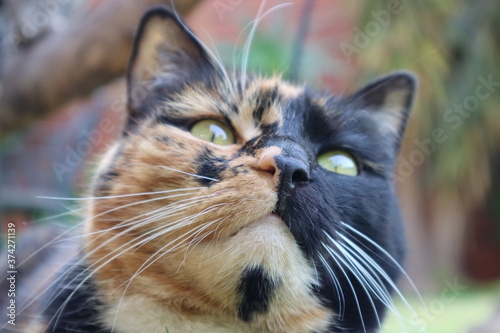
{"x":238,"y":203}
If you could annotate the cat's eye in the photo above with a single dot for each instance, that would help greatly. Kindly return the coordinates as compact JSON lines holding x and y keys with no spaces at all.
{"x":339,"y":162}
{"x":215,"y":131}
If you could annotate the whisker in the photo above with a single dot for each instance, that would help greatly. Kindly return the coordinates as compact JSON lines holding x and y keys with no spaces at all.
{"x":369,"y":280}
{"x":255,"y":23}
{"x":334,"y":256}
{"x":175,"y":170}
{"x":135,"y":243}
{"x":376,"y":266}
{"x":118,"y":196}
{"x":371,"y":265}
{"x":336,"y":284}
{"x":220,"y":66}
{"x":382,"y":250}
{"x":246,"y":47}
{"x":59,"y":238}
{"x":364,"y":281}
{"x":380,"y":291}
{"x":199,"y":199}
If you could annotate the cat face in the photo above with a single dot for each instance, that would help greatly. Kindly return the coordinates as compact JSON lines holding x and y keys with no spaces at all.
{"x":266,"y":205}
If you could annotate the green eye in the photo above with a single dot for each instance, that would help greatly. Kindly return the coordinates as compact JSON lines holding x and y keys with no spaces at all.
{"x":212,"y":130}
{"x":338,"y":162}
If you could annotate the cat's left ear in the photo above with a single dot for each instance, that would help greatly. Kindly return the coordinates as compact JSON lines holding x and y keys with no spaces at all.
{"x":165,"y":52}
{"x":389,"y":101}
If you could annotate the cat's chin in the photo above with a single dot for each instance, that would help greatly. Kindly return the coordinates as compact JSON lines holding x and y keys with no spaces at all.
{"x":268,"y":221}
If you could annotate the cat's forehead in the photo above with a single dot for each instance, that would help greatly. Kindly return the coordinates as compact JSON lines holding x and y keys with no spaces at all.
{"x":262,"y":104}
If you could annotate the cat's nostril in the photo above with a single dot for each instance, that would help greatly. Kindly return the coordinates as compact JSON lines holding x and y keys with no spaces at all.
{"x":300,"y":176}
{"x":269,"y":168}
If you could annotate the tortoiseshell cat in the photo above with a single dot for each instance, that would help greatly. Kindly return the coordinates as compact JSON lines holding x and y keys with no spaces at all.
{"x":238,"y":204}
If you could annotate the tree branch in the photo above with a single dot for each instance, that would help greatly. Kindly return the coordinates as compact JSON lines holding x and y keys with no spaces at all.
{"x":72,"y":62}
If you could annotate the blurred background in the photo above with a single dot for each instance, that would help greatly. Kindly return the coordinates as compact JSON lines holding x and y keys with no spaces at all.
{"x":62,"y":99}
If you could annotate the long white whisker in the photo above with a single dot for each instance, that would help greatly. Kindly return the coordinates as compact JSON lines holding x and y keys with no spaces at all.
{"x":91,"y":266}
{"x":118,"y":196}
{"x":133,"y":220}
{"x":378,"y":288}
{"x":354,"y":267}
{"x":382,"y":250}
{"x":373,"y":264}
{"x":334,"y":256}
{"x":367,"y":274}
{"x":222,"y":69}
{"x":59,"y":238}
{"x":382,"y":292}
{"x":246,"y":48}
{"x":336,"y":284}
{"x":175,"y":170}
{"x":135,"y":243}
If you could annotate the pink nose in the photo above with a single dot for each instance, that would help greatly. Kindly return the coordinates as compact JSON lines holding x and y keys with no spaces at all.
{"x":268,"y":164}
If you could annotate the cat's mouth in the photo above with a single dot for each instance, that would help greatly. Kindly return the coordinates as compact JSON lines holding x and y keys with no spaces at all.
{"x":266,"y":219}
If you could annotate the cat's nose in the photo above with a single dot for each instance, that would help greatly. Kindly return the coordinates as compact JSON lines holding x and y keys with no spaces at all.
{"x":293,"y":171}
{"x":288,"y":166}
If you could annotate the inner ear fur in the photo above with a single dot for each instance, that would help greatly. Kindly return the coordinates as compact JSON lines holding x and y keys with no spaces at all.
{"x":164,"y":51}
{"x":389,"y":101}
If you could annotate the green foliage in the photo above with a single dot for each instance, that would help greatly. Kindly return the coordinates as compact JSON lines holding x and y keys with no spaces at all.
{"x":271,"y":54}
{"x":266,"y":55}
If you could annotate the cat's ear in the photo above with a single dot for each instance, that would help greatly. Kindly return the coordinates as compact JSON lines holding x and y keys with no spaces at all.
{"x":389,"y":101}
{"x":164,"y":52}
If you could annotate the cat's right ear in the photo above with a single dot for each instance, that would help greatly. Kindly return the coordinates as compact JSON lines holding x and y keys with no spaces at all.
{"x":164,"y":52}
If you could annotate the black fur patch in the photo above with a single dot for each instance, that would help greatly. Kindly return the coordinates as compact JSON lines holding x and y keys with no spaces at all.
{"x":163,"y":138}
{"x":269,"y":128}
{"x":103,"y":182}
{"x":256,"y":290}
{"x":81,"y":312}
{"x":265,"y":100}
{"x":210,"y":166}
{"x":238,"y":169}
{"x":258,"y":112}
